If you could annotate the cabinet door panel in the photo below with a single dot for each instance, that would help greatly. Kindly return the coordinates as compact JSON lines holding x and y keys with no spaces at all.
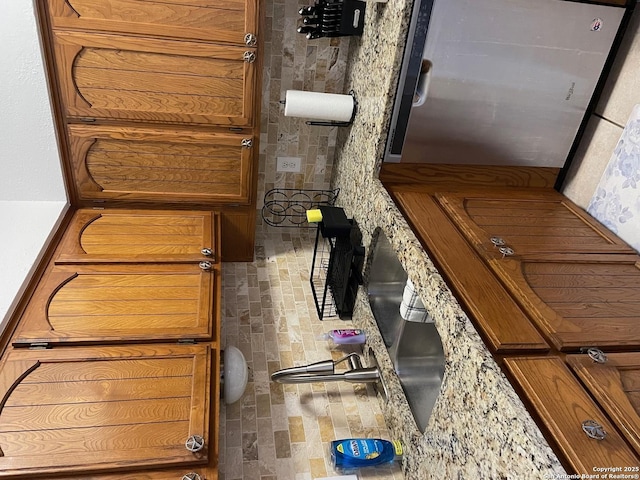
{"x":529,"y":223}
{"x":561,"y":404}
{"x":615,"y":384}
{"x":161,"y":165}
{"x":118,"y":77}
{"x":118,"y":304}
{"x":219,"y":21}
{"x":577,"y":300}
{"x":95,"y":409}
{"x":500,"y":319}
{"x":127,"y":236}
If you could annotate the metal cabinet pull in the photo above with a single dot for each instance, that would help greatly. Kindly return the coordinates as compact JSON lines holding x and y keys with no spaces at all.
{"x":497,"y":241}
{"x":194,"y":443}
{"x":506,"y":251}
{"x":249,"y":57}
{"x":206,"y":266}
{"x":593,"y":430}
{"x":597,"y":355}
{"x":207,"y":252}
{"x":247,"y":143}
{"x":191,"y":476}
{"x":250,"y":40}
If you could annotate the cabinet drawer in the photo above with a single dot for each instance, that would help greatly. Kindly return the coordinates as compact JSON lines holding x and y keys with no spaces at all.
{"x":212,"y":20}
{"x":152,"y":80}
{"x":562,"y":405}
{"x":161,"y":165}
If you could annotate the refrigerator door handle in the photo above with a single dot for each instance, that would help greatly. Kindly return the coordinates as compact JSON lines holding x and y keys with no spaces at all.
{"x":420,"y":95}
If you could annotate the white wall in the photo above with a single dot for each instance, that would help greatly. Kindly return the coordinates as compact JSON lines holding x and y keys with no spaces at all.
{"x":31,"y":188}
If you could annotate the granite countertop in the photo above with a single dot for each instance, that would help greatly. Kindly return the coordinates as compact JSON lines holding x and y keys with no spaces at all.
{"x":479,"y":428}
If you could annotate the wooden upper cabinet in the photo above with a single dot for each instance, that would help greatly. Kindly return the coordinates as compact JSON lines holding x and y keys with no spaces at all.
{"x":528,"y":223}
{"x":562,"y":405}
{"x":161,"y":164}
{"x":120,"y":77}
{"x":615,"y":384}
{"x":227,"y":21}
{"x":121,"y":236}
{"x":92,"y":409}
{"x":101,"y":304}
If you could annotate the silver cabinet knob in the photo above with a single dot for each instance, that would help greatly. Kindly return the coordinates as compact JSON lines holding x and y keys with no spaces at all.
{"x":207,"y":252}
{"x":194,"y":443}
{"x":206,"y":266}
{"x":250,"y":40}
{"x":506,"y":251}
{"x":249,"y":57}
{"x":191,"y":476}
{"x":593,"y":430}
{"x":597,"y":355}
{"x":497,"y":241}
{"x":247,"y":143}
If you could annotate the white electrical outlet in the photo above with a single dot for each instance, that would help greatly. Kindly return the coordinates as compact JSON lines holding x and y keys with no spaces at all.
{"x":288,"y":164}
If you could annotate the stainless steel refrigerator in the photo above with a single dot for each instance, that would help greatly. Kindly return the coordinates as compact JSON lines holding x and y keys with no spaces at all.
{"x":508,"y":82}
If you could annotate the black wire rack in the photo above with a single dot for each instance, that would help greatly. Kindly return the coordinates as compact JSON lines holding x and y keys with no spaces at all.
{"x":336,"y":272}
{"x":287,"y":207}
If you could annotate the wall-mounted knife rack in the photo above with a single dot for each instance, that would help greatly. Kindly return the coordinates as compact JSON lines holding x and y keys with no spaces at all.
{"x":332,"y":18}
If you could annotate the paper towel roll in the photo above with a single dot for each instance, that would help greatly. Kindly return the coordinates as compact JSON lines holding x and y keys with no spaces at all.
{"x":319,"y":106}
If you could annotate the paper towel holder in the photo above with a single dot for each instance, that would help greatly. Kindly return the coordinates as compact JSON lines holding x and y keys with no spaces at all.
{"x":334,"y":123}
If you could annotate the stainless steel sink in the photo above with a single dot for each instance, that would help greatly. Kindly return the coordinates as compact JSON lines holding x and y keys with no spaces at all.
{"x":415,"y":348}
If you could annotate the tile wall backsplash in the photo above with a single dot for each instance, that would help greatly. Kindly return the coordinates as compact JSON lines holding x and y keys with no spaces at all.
{"x":275,"y":431}
{"x":294,"y":63}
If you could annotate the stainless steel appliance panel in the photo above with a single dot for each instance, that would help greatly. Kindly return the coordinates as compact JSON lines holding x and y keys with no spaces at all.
{"x":510,"y":81}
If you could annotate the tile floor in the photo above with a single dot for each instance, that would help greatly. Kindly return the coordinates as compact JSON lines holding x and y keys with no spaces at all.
{"x":283,"y":431}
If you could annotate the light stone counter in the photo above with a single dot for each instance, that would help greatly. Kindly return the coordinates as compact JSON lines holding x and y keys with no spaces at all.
{"x":479,"y":428}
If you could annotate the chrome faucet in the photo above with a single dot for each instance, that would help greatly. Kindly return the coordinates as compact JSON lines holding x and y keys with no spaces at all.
{"x":324,"y":371}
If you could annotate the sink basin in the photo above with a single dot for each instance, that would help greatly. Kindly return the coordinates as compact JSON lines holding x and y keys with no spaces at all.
{"x":415,"y":348}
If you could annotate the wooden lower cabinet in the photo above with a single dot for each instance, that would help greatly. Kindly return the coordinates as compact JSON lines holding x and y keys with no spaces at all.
{"x":561,"y":404}
{"x":120,"y":304}
{"x":141,"y":236}
{"x":542,"y":281}
{"x":116,"y":409}
{"x":114,"y":365}
{"x":615,"y":384}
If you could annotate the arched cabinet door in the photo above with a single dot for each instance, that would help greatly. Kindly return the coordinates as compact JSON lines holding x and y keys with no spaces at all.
{"x":528,"y":223}
{"x":135,"y":236}
{"x":107,"y":304}
{"x":226,"y":21}
{"x":88,"y":410}
{"x":154,"y":80}
{"x":577,"y":300}
{"x":161,"y":164}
